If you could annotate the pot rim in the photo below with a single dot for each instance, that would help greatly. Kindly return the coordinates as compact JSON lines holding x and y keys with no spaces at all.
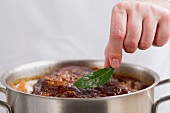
{"x":6,"y":74}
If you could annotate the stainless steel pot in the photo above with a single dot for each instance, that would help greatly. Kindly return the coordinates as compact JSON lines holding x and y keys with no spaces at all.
{"x":138,"y":102}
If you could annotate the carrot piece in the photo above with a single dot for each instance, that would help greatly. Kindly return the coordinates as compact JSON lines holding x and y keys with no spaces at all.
{"x":21,"y":86}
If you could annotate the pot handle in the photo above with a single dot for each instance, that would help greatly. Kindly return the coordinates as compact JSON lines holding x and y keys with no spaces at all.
{"x":4,"y":104}
{"x":163,"y":99}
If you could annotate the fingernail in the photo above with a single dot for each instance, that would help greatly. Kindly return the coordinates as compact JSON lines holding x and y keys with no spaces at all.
{"x":115,"y":63}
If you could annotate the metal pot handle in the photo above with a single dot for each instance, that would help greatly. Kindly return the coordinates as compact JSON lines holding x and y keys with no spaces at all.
{"x":4,"y":104}
{"x":163,"y":99}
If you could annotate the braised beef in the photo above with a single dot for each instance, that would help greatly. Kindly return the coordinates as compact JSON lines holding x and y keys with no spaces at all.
{"x":60,"y":84}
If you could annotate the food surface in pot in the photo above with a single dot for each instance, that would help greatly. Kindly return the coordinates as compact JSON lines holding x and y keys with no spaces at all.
{"x":59,"y":83}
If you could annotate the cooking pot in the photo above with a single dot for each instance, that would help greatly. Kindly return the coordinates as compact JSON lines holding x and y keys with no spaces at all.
{"x":138,"y":102}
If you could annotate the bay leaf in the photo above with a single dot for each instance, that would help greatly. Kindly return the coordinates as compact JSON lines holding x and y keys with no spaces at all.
{"x":95,"y":79}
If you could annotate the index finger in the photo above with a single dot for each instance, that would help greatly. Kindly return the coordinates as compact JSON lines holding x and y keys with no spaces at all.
{"x":117,"y":35}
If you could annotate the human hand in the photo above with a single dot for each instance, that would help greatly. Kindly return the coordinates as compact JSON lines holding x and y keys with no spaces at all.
{"x":135,"y":25}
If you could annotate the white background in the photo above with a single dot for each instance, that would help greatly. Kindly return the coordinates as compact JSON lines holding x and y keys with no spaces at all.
{"x":37,"y":30}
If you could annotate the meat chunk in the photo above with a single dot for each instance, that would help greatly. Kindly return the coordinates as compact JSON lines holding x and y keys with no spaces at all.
{"x":60,"y":84}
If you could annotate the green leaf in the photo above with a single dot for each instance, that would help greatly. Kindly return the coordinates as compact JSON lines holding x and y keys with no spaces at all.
{"x":95,"y":79}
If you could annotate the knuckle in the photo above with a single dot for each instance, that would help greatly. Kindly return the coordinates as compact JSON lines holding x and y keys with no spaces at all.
{"x":159,"y":44}
{"x":134,"y":6}
{"x":151,"y":8}
{"x":144,"y":45}
{"x":138,"y":5}
{"x":118,"y":35}
{"x":130,"y":44}
{"x":116,"y":55}
{"x":129,"y":50}
{"x":120,"y":5}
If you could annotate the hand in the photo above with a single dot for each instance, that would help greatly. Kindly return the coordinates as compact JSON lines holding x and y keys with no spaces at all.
{"x":135,"y":25}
